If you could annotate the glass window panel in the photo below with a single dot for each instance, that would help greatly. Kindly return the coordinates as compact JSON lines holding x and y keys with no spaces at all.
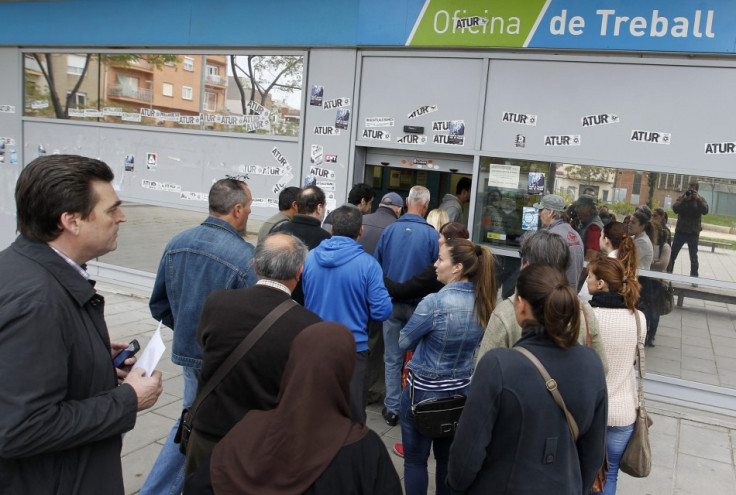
{"x":248,"y":94}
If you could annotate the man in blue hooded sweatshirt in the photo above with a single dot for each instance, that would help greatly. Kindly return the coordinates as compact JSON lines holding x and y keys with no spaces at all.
{"x":343,"y":283}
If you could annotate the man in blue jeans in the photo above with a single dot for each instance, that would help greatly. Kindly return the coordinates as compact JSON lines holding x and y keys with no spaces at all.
{"x":404,"y":249}
{"x":196,"y":262}
{"x":690,"y":208}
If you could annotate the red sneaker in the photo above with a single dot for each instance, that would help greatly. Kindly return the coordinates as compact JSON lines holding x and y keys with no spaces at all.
{"x":399,"y":449}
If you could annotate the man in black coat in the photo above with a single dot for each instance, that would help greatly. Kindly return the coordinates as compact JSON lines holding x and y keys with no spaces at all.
{"x":311,"y":206}
{"x":63,"y":404}
{"x":227,"y":318}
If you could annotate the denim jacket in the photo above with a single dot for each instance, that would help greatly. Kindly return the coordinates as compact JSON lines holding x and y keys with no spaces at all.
{"x":444,"y":331}
{"x":196,"y":262}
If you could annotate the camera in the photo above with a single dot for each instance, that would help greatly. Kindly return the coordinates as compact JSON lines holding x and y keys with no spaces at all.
{"x":689,"y":192}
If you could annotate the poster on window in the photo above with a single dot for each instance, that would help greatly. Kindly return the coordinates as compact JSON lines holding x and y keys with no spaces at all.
{"x":536,"y":183}
{"x":529,"y":218}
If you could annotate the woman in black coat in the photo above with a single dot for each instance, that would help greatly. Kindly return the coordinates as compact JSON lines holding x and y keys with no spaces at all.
{"x":513,"y":438}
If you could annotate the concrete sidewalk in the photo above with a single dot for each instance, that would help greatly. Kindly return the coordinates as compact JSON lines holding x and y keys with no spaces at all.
{"x":693,"y":453}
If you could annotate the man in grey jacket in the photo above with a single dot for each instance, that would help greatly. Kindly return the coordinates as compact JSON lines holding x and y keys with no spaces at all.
{"x":453,"y":204}
{"x":552,"y":215}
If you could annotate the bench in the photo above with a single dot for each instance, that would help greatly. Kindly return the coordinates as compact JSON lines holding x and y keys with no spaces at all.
{"x":705,"y":293}
{"x":713,"y":244}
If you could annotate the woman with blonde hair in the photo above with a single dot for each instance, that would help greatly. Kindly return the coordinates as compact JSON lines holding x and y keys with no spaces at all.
{"x":437,"y":218}
{"x":614,"y":298}
{"x":444,"y":332}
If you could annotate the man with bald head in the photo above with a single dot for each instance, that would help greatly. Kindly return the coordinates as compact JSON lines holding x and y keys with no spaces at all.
{"x":227,"y":318}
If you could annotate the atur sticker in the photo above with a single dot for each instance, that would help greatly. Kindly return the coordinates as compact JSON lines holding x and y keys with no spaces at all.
{"x":519,"y":118}
{"x":726,"y":148}
{"x":336,"y":103}
{"x":562,"y":140}
{"x":599,"y":119}
{"x":326,"y":130}
{"x":412,"y":139}
{"x":652,"y":137}
{"x":378,"y":134}
{"x":426,"y":109}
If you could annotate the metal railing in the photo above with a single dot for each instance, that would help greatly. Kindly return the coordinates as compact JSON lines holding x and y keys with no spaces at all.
{"x":126,"y":92}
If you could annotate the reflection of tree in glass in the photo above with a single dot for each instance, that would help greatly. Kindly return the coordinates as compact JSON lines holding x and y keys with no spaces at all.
{"x":45,"y":63}
{"x":263,"y":74}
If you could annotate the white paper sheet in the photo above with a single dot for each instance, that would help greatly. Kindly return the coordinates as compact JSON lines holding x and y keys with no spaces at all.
{"x":151,"y":355}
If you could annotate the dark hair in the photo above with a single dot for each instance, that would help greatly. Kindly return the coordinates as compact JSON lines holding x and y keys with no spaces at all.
{"x":553,"y":302}
{"x":454,"y":230}
{"x":309,"y":199}
{"x":279,"y":260}
{"x":546,"y":248}
{"x":287,"y":197}
{"x":693,"y":184}
{"x":478,"y":267}
{"x":361,"y":192}
{"x":346,"y":221}
{"x":642,"y":218}
{"x":464,"y":184}
{"x":52,"y":185}
{"x":612,"y":271}
{"x":617,"y":233}
{"x":662,"y":213}
{"x":226,"y":193}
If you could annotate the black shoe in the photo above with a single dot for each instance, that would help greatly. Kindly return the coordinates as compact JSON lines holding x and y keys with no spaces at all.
{"x":649,"y":343}
{"x":391,"y":418}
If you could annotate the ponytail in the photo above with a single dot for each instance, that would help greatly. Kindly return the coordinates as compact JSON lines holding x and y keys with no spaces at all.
{"x":478,"y":267}
{"x":612,"y":272}
{"x":628,"y":257}
{"x":553,"y":302}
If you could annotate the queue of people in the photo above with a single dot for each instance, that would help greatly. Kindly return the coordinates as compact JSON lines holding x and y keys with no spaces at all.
{"x":276,"y":391}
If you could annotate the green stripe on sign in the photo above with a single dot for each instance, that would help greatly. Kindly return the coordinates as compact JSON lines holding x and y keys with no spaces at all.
{"x":482,"y":23}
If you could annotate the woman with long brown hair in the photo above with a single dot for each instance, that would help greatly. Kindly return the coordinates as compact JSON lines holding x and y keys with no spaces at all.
{"x":614,"y":298}
{"x":616,"y":243}
{"x":444,"y":332}
{"x":512,"y":437}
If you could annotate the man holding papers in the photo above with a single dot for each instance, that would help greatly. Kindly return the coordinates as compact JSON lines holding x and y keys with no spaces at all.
{"x":63,"y":405}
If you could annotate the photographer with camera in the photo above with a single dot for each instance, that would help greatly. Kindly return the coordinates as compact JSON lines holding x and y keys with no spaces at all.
{"x":689,"y":207}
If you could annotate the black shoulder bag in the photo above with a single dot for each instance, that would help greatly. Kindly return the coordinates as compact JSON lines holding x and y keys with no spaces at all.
{"x":186,"y":422}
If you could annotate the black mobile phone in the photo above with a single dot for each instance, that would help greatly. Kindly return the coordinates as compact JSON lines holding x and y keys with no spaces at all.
{"x":129,"y":351}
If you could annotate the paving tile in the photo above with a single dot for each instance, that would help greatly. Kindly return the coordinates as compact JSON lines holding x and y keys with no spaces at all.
{"x":667,"y":367}
{"x":698,"y":476}
{"x":664,"y":447}
{"x":671,"y":342}
{"x":397,"y":461}
{"x":698,"y":352}
{"x":727,"y":378}
{"x":697,"y":364}
{"x":664,"y":425}
{"x":137,"y":465}
{"x":663,"y":352}
{"x":709,"y":442}
{"x":171,"y":410}
{"x":699,"y":377}
{"x":149,"y":427}
{"x":174,"y":386}
{"x":720,"y":342}
{"x":696,"y":341}
{"x":659,"y":482}
{"x":724,"y":363}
